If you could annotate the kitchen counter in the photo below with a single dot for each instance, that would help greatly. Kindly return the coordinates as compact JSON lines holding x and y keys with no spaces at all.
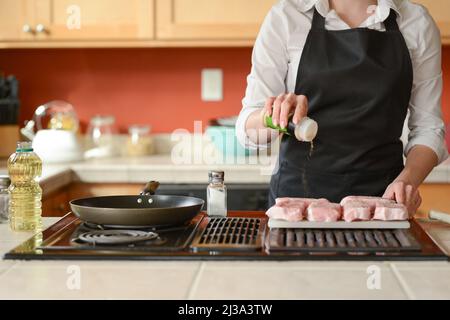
{"x":251,"y":170}
{"x":222,"y":280}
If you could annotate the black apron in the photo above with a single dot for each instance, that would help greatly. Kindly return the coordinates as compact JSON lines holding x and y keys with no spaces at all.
{"x":358,"y":83}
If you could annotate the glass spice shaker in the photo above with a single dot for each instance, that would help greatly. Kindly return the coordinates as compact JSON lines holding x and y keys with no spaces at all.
{"x":5,"y":181}
{"x":217,"y":194}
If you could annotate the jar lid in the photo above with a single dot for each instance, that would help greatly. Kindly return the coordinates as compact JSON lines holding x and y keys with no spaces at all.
{"x":5,"y":181}
{"x":102,"y":120}
{"x":139,"y":129}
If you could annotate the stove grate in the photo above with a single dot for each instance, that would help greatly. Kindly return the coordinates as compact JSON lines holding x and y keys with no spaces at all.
{"x":230,"y":234}
{"x":330,"y":240}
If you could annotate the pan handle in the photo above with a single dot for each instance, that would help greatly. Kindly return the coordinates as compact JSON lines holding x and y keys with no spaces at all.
{"x":150,"y":188}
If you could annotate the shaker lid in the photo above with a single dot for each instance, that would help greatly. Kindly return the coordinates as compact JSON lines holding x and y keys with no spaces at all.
{"x":5,"y":181}
{"x":306,"y":130}
{"x":216,"y":175}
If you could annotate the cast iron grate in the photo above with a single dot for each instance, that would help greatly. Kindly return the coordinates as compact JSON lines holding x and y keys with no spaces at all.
{"x":229,"y":233}
{"x":329,"y":240}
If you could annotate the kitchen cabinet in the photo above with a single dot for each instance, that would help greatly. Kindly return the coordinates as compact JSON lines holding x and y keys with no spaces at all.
{"x":16,"y":19}
{"x":97,"y":20}
{"x":210,"y":19}
{"x":56,"y":204}
{"x":146,"y":23}
{"x":440,"y":10}
{"x":247,"y":197}
{"x":62,"y":23}
{"x":434,"y":197}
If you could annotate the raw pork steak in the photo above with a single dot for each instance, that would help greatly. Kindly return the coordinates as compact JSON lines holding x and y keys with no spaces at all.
{"x":288,"y":210}
{"x":357,"y":211}
{"x":371,"y":201}
{"x":321,"y":211}
{"x":390,"y":212}
{"x":307,"y":201}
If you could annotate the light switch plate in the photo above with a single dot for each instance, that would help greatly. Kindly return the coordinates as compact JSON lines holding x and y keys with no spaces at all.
{"x":212,"y":85}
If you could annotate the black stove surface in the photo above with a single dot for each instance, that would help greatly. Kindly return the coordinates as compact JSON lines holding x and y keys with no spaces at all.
{"x":241,"y":236}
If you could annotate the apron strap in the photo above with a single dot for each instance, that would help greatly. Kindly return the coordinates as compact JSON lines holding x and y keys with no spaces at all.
{"x":318,"y":21}
{"x":391,"y":22}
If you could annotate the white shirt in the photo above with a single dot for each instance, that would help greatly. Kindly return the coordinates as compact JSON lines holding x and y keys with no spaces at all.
{"x":279,"y":46}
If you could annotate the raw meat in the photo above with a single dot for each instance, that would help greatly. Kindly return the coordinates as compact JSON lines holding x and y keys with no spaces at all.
{"x":307,"y":201}
{"x":357,"y":211}
{"x":321,"y":211}
{"x":290,"y":211}
{"x":371,"y":201}
{"x":390,"y":212}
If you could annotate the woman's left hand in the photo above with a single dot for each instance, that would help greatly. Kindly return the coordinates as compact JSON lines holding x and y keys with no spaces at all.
{"x":405,"y":193}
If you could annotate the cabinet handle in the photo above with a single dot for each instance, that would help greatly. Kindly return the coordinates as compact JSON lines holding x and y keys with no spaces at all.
{"x":27,"y":29}
{"x":40,"y":28}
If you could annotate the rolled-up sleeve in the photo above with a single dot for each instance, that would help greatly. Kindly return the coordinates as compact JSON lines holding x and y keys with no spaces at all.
{"x":425,"y":114}
{"x":268,"y":74}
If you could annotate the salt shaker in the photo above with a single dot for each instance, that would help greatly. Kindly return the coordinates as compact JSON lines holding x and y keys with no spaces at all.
{"x":4,"y":198}
{"x":217,"y":194}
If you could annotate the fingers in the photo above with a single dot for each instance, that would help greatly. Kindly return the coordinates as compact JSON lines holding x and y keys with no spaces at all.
{"x":400,"y":194}
{"x":267,"y":110}
{"x":277,"y":109}
{"x":389,"y":193}
{"x":301,"y":109}
{"x":268,"y":106}
{"x":286,"y":106}
{"x":409,"y":194}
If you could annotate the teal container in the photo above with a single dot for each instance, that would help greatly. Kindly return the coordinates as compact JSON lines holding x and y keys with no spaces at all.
{"x":224,"y":138}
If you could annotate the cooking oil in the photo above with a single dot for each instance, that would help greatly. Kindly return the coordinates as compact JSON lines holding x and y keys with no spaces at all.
{"x":24,"y":167}
{"x":311,"y":148}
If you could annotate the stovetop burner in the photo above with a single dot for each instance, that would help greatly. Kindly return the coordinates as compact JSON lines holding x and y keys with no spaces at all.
{"x":114,"y":237}
{"x":95,"y":226}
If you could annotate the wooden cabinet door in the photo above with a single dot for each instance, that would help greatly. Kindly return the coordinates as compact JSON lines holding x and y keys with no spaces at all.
{"x":434,"y":197}
{"x":73,"y":20}
{"x":440,"y":10}
{"x":56,"y":204}
{"x":14,"y":15}
{"x":210,"y":19}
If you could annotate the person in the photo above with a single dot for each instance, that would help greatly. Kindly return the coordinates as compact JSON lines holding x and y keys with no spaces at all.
{"x":356,"y":67}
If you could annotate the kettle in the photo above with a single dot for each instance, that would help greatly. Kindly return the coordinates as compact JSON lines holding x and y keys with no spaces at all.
{"x":56,"y":138}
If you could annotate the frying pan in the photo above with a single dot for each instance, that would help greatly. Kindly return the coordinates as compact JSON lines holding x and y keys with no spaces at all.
{"x":146,"y":209}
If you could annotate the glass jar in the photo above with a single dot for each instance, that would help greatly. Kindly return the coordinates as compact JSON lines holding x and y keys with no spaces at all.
{"x":216,"y":194}
{"x":100,"y":134}
{"x":139,"y":142}
{"x":4,"y":198}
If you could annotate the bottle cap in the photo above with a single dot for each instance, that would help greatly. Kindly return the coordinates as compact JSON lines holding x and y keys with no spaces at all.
{"x":306,"y":130}
{"x":24,"y":146}
{"x":216,"y":176}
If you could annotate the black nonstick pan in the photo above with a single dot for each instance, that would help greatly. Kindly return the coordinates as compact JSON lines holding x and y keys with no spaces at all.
{"x":146,"y":209}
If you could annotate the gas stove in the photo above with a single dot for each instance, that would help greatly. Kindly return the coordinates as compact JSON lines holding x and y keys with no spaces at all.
{"x":240,"y":236}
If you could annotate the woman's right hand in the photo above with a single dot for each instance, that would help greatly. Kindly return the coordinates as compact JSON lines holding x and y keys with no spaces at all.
{"x":283,"y":106}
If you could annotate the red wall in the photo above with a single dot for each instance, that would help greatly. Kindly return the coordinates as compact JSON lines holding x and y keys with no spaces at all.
{"x":156,"y":86}
{"x":160,"y":87}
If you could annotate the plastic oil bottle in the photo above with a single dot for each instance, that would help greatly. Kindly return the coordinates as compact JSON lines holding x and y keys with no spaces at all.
{"x":24,"y":167}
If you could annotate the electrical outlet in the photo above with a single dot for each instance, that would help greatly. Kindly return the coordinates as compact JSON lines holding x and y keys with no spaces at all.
{"x":212,"y":85}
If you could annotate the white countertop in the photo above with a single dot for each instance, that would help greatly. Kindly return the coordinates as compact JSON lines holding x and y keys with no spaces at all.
{"x":221,"y":280}
{"x":250,"y":170}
